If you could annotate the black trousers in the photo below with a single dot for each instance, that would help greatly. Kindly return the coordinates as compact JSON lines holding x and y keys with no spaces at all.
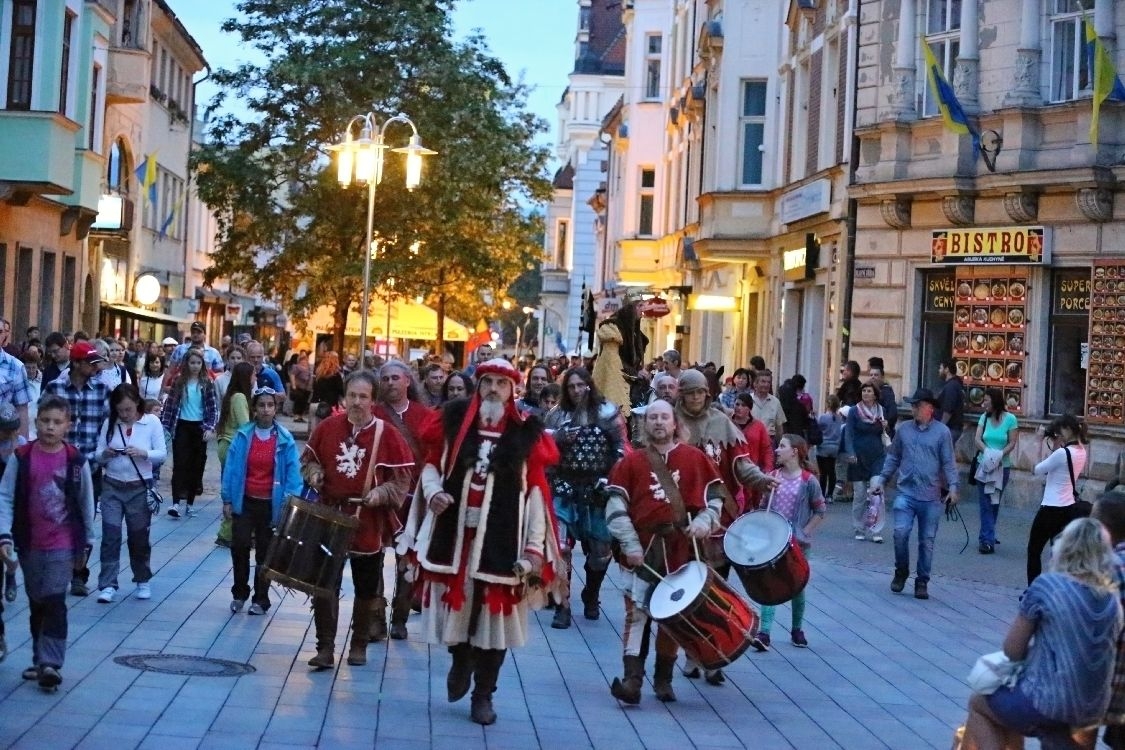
{"x":255,"y":520}
{"x":189,"y":454}
{"x":826,"y":465}
{"x":1048,"y":523}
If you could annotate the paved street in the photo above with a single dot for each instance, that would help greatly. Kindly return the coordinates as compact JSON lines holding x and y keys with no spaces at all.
{"x":882,"y":670}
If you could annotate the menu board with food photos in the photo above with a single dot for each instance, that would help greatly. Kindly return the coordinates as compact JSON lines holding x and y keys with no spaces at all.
{"x":989,"y":332}
{"x":1105,"y":372}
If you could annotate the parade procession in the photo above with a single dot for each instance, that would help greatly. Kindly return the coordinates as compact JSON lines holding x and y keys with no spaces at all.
{"x":565,"y":374}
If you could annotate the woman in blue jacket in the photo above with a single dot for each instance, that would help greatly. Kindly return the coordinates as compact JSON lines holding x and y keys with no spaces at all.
{"x":262,"y":469}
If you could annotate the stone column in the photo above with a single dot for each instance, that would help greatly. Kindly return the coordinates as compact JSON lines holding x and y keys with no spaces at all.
{"x":903,"y":73}
{"x":1025,"y":86}
{"x":967,"y":67}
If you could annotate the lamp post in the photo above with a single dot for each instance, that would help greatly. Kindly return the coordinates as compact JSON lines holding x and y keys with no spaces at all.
{"x":360,"y":160}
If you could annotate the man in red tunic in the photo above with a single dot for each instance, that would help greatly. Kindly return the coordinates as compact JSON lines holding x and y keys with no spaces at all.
{"x":483,"y":533}
{"x":360,"y":465}
{"x":400,"y":404}
{"x":654,"y":528}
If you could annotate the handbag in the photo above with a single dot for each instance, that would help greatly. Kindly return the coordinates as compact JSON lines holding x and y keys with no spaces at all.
{"x":323,"y":410}
{"x":1082,"y":508}
{"x":887,"y":441}
{"x":153,"y":499}
{"x":993,"y":671}
{"x":973,"y":466}
{"x":814,"y":434}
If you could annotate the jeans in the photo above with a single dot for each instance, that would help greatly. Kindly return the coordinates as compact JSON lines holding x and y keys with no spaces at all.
{"x":989,"y":511}
{"x":928,"y":513}
{"x":255,"y":519}
{"x":124,"y":501}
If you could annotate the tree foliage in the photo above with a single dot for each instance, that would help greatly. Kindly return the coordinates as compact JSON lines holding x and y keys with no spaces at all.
{"x":287,"y":229}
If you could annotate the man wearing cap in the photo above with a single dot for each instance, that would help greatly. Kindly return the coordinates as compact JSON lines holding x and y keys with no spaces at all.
{"x":88,"y":397}
{"x":922,"y":456}
{"x":169,"y":345}
{"x":713,"y":432}
{"x":483,"y":532}
{"x":211,"y":357}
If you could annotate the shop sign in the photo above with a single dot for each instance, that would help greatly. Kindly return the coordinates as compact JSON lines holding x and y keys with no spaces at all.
{"x":1072,"y":295}
{"x":806,"y":200}
{"x":990,"y":245}
{"x":940,"y":292}
{"x":800,"y":264}
{"x":654,"y":307}
{"x":609,"y":306}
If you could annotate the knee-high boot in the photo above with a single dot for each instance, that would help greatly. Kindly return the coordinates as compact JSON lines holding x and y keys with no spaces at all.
{"x":326,"y":613}
{"x":361,"y":631}
{"x":378,"y":627}
{"x":486,"y":672}
{"x":400,"y":602}
{"x":460,"y":677}
{"x":662,"y":678}
{"x":590,"y":593}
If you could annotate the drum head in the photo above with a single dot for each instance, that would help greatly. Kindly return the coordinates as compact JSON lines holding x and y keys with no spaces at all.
{"x":757,"y":538}
{"x":678,"y":590}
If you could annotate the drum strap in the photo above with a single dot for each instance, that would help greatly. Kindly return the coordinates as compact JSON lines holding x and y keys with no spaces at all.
{"x":671,"y":491}
{"x":369,"y":481}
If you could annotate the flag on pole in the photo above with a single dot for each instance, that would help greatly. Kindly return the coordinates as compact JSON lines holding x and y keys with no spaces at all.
{"x":1106,"y":84}
{"x":171,"y":218}
{"x":951,"y":111}
{"x":146,"y":176}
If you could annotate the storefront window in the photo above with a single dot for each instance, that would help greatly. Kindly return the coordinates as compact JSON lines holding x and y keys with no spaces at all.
{"x":937,"y":324}
{"x":1070,"y":304}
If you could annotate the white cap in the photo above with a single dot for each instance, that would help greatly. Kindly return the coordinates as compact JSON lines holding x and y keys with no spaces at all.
{"x":169,"y":342}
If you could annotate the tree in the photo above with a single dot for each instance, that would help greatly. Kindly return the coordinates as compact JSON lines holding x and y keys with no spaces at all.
{"x":288,"y":231}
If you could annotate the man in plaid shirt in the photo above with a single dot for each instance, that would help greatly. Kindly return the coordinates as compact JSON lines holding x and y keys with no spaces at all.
{"x":14,"y":388}
{"x":89,"y":407}
{"x":1110,"y":510}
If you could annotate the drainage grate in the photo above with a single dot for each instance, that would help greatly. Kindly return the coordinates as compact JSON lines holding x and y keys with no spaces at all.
{"x":183,"y":664}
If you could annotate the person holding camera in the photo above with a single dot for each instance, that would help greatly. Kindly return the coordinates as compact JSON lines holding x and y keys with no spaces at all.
{"x":1065,"y":439}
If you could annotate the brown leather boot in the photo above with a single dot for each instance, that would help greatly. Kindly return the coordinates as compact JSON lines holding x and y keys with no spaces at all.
{"x":486,"y":672}
{"x":361,"y":632}
{"x":460,"y":677}
{"x":378,"y":629}
{"x":662,"y":679}
{"x":400,"y":605}
{"x":326,"y":613}
{"x":628,"y":689}
{"x":590,"y":593}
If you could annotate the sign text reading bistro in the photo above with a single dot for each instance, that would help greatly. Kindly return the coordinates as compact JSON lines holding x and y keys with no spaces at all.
{"x":990,"y":245}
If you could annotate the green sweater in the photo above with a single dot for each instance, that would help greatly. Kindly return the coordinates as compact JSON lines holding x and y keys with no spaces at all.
{"x":239,"y":415}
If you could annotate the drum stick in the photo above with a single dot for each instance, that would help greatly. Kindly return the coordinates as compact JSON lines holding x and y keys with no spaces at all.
{"x":652,"y":570}
{"x":769,"y":502}
{"x":694,"y":541}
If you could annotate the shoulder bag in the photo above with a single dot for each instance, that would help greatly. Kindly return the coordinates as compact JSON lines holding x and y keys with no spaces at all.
{"x":993,"y":671}
{"x":153,"y":499}
{"x":1082,"y":508}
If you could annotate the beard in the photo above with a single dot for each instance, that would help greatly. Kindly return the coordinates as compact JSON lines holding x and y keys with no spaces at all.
{"x":490,"y":412}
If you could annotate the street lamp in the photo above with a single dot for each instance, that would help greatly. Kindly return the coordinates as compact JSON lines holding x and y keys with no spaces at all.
{"x":360,"y":160}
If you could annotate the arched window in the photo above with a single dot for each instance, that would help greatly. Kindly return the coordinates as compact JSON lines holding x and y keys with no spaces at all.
{"x":117,"y":178}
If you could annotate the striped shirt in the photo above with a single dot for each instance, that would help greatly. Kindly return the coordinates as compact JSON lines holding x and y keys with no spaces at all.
{"x":1069,"y":666}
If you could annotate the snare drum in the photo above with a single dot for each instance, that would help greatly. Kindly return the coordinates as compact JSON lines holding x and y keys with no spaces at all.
{"x":767,"y":558}
{"x":309,"y":548}
{"x":704,"y":615}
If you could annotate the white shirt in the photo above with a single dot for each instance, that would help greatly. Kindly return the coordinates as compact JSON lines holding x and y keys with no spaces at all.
{"x":1058,"y":491}
{"x":147,"y":434}
{"x":35,"y":388}
{"x":150,"y":386}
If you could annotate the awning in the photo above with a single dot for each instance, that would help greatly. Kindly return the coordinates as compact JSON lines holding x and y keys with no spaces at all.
{"x":409,"y":320}
{"x":143,"y":314}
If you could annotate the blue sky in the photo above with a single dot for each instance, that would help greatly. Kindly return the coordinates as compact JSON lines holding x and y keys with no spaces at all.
{"x":535,"y":37}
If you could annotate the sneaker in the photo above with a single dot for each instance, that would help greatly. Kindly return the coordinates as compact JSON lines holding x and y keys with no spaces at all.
{"x":860,"y":536}
{"x":107,"y":595}
{"x":31,"y":673}
{"x":797,"y":637}
{"x":898,"y":583}
{"x":921,"y":590}
{"x":236,"y":605}
{"x":49,"y":677}
{"x":764,"y":640}
{"x":986,"y":548}
{"x":77,"y":588}
{"x":256,"y":609}
{"x":174,"y":511}
{"x":11,"y":588}
{"x":143,"y":592}
{"x":877,"y":539}
{"x":190,"y":512}
{"x":220,"y":542}
{"x":693,"y":674}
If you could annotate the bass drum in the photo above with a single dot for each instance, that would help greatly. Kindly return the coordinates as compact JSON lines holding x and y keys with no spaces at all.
{"x":766,"y":556}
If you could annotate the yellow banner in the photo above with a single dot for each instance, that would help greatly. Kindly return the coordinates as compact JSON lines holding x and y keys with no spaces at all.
{"x":990,"y":245}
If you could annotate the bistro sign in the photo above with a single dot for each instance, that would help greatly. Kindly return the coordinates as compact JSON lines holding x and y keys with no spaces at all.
{"x":1025,"y":245}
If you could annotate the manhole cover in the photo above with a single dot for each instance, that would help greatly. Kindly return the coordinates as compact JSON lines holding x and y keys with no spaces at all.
{"x":183,"y":664}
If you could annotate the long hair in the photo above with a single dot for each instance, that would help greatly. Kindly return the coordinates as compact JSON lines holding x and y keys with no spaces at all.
{"x":1083,"y":552}
{"x":1072,"y":423}
{"x":149,"y":359}
{"x":465,"y":380}
{"x":801,"y":447}
{"x":185,"y":375}
{"x":116,"y":396}
{"x":996,"y":398}
{"x":593,"y":396}
{"x":241,"y":381}
{"x":413,"y":389}
{"x":327,"y":365}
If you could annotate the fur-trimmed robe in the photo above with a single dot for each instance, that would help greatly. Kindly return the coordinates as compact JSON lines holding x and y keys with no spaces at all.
{"x":516,"y":521}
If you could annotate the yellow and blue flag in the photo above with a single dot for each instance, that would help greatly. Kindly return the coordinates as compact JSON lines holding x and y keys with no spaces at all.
{"x":171,"y":218}
{"x":146,"y":176}
{"x":1106,"y":84}
{"x":951,"y":111}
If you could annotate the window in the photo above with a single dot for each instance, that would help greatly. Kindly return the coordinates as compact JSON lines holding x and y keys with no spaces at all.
{"x":936,"y":335}
{"x":117,"y":174}
{"x":752,"y":131}
{"x":46,"y":317}
{"x":1069,"y":321}
{"x":647,"y":195}
{"x":64,"y":78}
{"x":652,"y":66}
{"x":943,"y":27}
{"x":22,"y":313}
{"x":1070,"y":66}
{"x":561,"y":238}
{"x":69,"y":293}
{"x":21,"y":58}
{"x":92,"y":127}
{"x":584,"y":18}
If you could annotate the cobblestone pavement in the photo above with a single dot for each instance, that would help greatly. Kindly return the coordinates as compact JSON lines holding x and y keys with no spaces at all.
{"x":882,"y":670}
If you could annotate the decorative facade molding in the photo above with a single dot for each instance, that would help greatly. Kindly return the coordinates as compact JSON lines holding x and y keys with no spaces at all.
{"x":965,"y":83}
{"x":896,"y":212}
{"x":1096,"y":204}
{"x":1025,"y":81}
{"x":901,"y":98}
{"x":959,"y":209}
{"x":1022,"y":207}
